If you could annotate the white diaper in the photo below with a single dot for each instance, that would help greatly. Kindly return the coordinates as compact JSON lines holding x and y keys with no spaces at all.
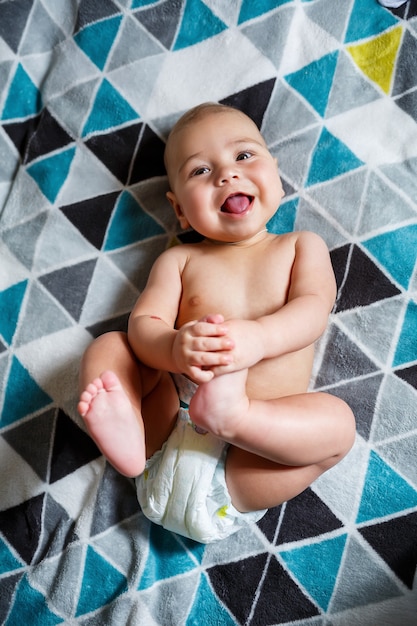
{"x":183,"y":487}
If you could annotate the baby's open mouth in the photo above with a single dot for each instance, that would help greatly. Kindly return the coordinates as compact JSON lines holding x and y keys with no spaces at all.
{"x":236,"y":203}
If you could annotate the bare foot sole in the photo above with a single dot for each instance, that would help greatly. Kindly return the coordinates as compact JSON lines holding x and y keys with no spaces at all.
{"x":113,"y":424}
{"x":219,"y":405}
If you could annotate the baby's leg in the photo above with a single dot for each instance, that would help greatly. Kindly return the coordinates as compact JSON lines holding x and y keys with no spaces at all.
{"x":299,"y":430}
{"x":119,"y":396}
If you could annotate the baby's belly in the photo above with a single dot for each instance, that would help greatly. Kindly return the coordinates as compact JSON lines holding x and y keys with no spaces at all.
{"x":286,"y":375}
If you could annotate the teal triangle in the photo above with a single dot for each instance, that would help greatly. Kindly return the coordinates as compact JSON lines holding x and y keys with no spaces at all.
{"x":394,"y":246}
{"x":110,"y":109}
{"x":97,"y":39}
{"x":316,"y":566}
{"x":254,"y":8}
{"x":8,"y":562}
{"x":314,"y":81}
{"x":23,"y":99}
{"x":30,"y":607}
{"x":130,"y":224}
{"x":406,"y":345}
{"x":137,"y":4}
{"x":360,"y":28}
{"x":102,"y":583}
{"x":198,"y":23}
{"x":50,"y":173}
{"x":284,"y":219}
{"x":331,"y":158}
{"x":17,"y":404}
{"x":384,"y":492}
{"x":166,"y":558}
{"x":10,"y":303}
{"x":214,"y":612}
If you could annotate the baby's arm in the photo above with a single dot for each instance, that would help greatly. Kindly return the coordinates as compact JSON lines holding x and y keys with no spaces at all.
{"x":300,"y":322}
{"x":191,"y":350}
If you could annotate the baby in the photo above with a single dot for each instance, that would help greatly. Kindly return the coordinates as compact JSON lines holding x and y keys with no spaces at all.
{"x":205,"y":399}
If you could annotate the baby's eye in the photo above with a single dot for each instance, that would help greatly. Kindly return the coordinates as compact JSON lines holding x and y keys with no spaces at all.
{"x":243,"y":155}
{"x":199,"y":171}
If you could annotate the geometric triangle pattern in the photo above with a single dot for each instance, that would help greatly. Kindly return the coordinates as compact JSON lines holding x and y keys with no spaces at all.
{"x":88,"y":93}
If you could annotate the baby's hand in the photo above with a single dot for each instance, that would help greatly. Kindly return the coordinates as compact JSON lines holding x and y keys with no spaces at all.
{"x":201,"y":345}
{"x":248,"y":348}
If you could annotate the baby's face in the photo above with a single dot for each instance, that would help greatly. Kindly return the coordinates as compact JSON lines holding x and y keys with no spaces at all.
{"x":224,"y":181}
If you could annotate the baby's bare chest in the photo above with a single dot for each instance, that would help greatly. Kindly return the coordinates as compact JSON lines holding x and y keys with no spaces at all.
{"x":245,"y":290}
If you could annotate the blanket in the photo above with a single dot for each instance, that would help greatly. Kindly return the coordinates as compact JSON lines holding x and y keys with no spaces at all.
{"x":88,"y":92}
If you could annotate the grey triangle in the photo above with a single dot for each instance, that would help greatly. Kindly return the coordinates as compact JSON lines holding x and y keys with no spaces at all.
{"x":81,"y":96}
{"x":141,"y":45}
{"x":353,"y":580}
{"x":348,"y":190}
{"x":308,"y":218}
{"x":323,"y":14}
{"x":382,"y":315}
{"x":403,"y":175}
{"x":401,"y":455}
{"x":392,"y":208}
{"x":23,"y":238}
{"x":285,"y":105}
{"x":268,"y":37}
{"x":42,"y":34}
{"x":42,"y":316}
{"x":162,"y":21}
{"x":72,"y":245}
{"x":136,"y":261}
{"x":22,"y":437}
{"x":396,"y":411}
{"x":349,"y":89}
{"x":294,"y":155}
{"x":228,"y":12}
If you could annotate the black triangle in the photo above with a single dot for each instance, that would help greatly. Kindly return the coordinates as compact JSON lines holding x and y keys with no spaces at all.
{"x":58,"y":530}
{"x":238,"y":597}
{"x":342,"y":360}
{"x":116,"y":149}
{"x":269,"y":522}
{"x":395,"y":541}
{"x":21,"y":132}
{"x":408,"y":103}
{"x":281,"y":600}
{"x":121,"y":492}
{"x":409,"y":374}
{"x":91,"y":217}
{"x":37,"y":429}
{"x":253,"y":101}
{"x":72,"y":449}
{"x":89,"y":12}
{"x":306,"y":516}
{"x":116,"y":323}
{"x":69,"y":285}
{"x":13,"y":18}
{"x":22,"y":526}
{"x":48,"y":136}
{"x":361,"y":395}
{"x":162,"y":21}
{"x":364,"y":282}
{"x":149,"y":161}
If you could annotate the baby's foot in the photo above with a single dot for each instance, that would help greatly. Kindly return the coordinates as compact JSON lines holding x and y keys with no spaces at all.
{"x":113,"y":424}
{"x":221,"y":405}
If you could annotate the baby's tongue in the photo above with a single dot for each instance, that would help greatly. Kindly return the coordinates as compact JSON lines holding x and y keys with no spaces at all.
{"x":236,"y":204}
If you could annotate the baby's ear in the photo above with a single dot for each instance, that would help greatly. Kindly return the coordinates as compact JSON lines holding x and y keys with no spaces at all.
{"x":172,"y":198}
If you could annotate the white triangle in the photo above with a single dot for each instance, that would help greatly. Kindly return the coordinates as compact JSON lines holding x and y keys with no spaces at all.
{"x":305,"y":42}
{"x":341,"y":486}
{"x":11,"y":270}
{"x":378,"y":132}
{"x":173,"y":91}
{"x":88,"y":178}
{"x":25,"y":200}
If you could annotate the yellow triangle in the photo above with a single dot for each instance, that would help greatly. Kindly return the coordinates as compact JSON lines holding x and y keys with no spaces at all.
{"x":376,"y":58}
